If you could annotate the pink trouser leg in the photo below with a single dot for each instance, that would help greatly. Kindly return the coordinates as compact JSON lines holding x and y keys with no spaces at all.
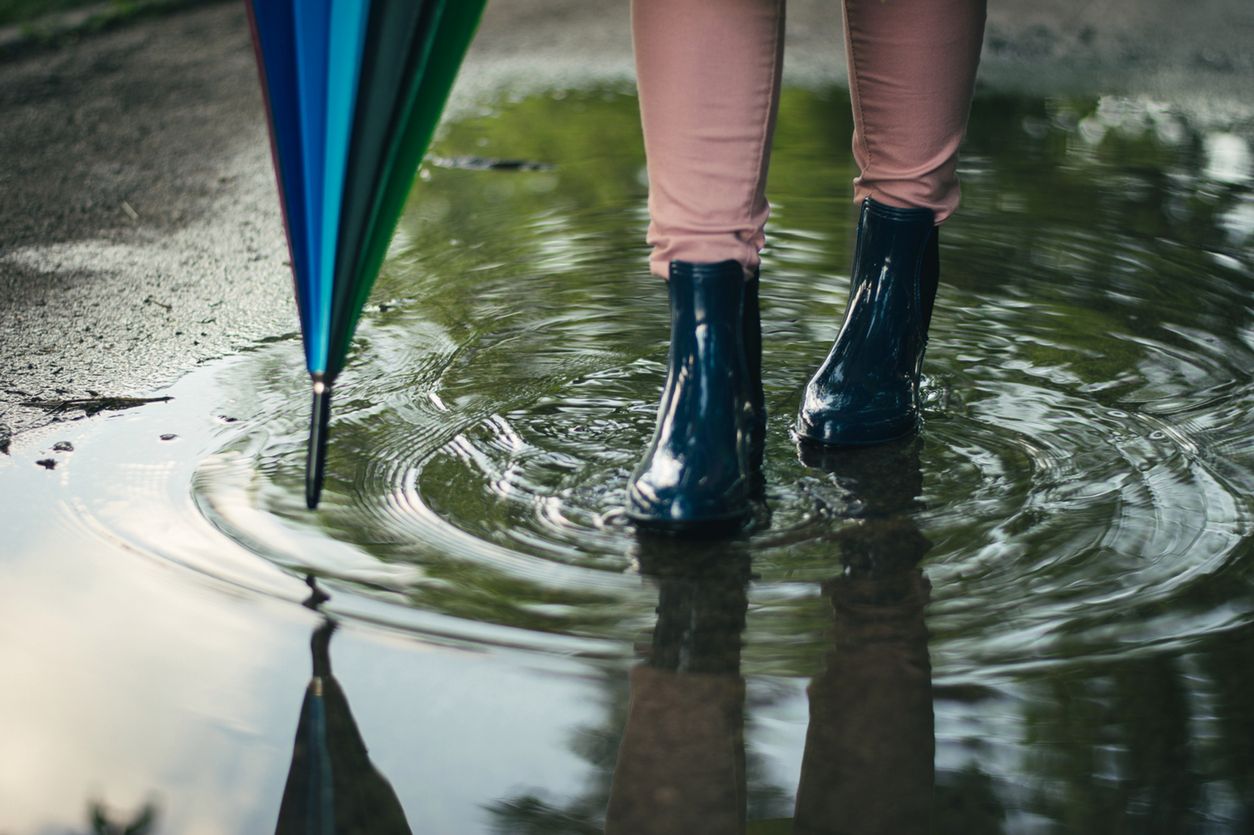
{"x":708,"y":74}
{"x":911,"y":74}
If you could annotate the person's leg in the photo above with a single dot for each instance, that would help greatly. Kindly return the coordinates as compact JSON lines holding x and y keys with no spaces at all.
{"x":911,"y":75}
{"x":912,"y":70}
{"x":708,"y":78}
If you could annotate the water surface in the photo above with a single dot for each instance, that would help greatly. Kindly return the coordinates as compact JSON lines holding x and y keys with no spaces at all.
{"x":1037,"y":616}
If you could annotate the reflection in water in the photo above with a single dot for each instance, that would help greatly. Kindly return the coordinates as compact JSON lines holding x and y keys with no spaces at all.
{"x":681,"y":762}
{"x":868,"y":765}
{"x":142,"y":824}
{"x":868,"y":760}
{"x":332,"y":787}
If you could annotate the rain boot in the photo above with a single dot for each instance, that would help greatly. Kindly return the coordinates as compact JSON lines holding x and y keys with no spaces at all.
{"x":696,"y":473}
{"x":867,"y":390}
{"x":751,"y":331}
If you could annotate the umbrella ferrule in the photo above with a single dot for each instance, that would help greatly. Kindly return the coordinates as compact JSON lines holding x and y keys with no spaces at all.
{"x":319,"y":424}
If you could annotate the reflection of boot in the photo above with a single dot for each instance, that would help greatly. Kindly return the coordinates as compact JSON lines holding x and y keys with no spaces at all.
{"x":878,"y":481}
{"x":867,"y":390}
{"x":701,"y":613}
{"x":681,"y":763}
{"x":696,"y":472}
{"x":332,"y":786}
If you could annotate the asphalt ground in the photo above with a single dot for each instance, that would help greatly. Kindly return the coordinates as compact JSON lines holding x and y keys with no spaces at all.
{"x":139,"y":225}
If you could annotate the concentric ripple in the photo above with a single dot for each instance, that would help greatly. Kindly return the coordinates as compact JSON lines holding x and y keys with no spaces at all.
{"x":1084,"y":475}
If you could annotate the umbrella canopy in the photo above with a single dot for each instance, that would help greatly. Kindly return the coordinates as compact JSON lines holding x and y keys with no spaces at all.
{"x":353,"y":90}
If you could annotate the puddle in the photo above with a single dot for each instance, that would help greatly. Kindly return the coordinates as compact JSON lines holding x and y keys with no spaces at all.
{"x":1037,"y":616}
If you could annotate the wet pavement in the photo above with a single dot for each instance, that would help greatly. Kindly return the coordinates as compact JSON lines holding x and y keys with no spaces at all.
{"x":1037,"y":616}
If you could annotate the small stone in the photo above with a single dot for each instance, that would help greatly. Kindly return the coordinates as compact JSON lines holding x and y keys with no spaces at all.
{"x":169,"y":436}
{"x":63,"y":446}
{"x":47,"y":464}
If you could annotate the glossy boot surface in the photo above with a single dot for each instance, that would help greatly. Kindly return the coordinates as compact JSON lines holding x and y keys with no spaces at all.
{"x":867,"y":390}
{"x":695,"y":474}
{"x":751,"y":332}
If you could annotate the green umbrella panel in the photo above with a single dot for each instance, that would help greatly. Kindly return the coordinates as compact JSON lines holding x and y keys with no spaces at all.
{"x":408,"y":137}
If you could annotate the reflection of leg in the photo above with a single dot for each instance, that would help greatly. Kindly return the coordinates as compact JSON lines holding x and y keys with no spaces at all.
{"x":681,"y":762}
{"x":868,"y":763}
{"x":708,"y":75}
{"x":911,"y":73}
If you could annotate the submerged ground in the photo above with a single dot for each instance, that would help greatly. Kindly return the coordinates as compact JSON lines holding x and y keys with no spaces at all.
{"x":1036,"y":617}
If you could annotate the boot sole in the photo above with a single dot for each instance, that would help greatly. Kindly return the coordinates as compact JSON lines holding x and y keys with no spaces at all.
{"x":859,"y":438}
{"x":709,"y":526}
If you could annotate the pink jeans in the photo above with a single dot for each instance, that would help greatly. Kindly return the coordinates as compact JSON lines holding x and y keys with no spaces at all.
{"x":709,"y":71}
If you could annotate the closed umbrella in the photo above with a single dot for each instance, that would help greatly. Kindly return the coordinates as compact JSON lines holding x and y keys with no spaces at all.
{"x":353,"y":90}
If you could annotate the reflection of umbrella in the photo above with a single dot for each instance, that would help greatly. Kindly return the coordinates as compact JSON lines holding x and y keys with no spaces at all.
{"x":332,"y":787}
{"x":353,"y":89}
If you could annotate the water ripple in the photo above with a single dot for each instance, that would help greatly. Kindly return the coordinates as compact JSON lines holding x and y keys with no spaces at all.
{"x":1084,"y":474}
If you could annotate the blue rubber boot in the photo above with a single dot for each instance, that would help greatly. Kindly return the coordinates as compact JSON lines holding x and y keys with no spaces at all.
{"x":867,"y":390}
{"x":751,"y":332}
{"x":696,"y":474}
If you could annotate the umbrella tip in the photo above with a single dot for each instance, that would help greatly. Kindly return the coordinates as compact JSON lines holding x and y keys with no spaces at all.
{"x":319,"y":421}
